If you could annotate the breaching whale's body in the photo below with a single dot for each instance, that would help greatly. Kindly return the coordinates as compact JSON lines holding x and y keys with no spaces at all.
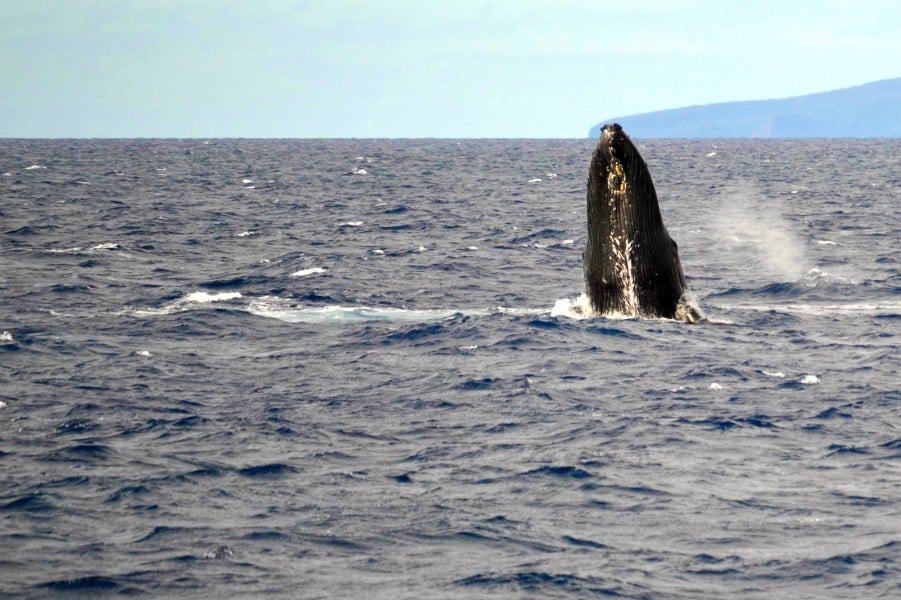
{"x":631,"y":264}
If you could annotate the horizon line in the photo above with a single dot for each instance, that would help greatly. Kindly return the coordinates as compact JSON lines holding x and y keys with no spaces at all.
{"x":400,"y":138}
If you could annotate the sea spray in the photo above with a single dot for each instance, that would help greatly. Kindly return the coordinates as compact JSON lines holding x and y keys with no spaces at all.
{"x":753,"y":228}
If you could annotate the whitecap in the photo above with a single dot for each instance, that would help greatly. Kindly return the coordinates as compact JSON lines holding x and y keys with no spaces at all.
{"x":472,"y":247}
{"x":815,"y":273}
{"x":7,"y":174}
{"x":182,"y":303}
{"x":778,"y":374}
{"x":71,"y":250}
{"x":465,"y":348}
{"x":581,"y":308}
{"x":718,"y":321}
{"x":815,"y":276}
{"x":245,"y":181}
{"x":715,"y":386}
{"x":810,"y":379}
{"x":578,"y":309}
{"x":550,"y":175}
{"x":250,"y":187}
{"x":567,"y":242}
{"x":143,"y":353}
{"x":247,"y":233}
{"x":826,"y":243}
{"x":284,"y":310}
{"x":711,"y":154}
{"x":359,"y":172}
{"x":105,"y":246}
{"x":6,"y":338}
{"x":421,"y":249}
{"x":307,"y":272}
{"x":378,"y":251}
{"x":351,"y":224}
{"x":521,"y":312}
{"x":33,"y":167}
{"x":794,"y":192}
{"x":851,"y":308}
{"x":535,"y":180}
{"x":205,"y":297}
{"x":2,"y":404}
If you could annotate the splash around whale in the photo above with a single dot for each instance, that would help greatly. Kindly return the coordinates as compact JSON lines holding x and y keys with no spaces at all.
{"x":631,"y":263}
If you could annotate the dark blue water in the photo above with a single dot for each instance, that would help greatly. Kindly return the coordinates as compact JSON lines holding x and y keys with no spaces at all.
{"x":249,"y":368}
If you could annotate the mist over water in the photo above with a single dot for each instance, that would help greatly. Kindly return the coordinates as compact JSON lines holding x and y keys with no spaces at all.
{"x":753,"y":229}
{"x":363,"y":369}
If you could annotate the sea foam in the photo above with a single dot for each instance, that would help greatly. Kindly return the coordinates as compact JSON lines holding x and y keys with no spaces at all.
{"x":308,"y":272}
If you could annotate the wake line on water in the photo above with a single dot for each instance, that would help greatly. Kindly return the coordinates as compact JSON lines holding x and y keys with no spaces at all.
{"x":284,"y":309}
{"x":850,"y":308}
{"x":577,"y":309}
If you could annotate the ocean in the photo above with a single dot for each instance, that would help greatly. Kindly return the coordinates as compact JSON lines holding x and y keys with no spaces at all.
{"x":346,"y":369}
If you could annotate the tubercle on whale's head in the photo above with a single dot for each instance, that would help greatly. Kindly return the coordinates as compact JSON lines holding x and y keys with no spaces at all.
{"x":611,"y":128}
{"x":616,"y":143}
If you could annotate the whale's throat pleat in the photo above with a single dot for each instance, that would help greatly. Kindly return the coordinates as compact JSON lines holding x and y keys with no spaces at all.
{"x":621,"y":238}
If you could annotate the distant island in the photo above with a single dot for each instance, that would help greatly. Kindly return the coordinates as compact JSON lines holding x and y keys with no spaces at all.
{"x":868,"y":110}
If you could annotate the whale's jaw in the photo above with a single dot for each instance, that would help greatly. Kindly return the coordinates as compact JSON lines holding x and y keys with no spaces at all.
{"x":631,"y":264}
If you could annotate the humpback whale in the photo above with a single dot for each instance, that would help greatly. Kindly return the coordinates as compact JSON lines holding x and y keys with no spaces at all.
{"x":631,"y":264}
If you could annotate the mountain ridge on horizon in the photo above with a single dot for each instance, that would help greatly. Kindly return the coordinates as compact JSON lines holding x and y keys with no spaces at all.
{"x":866,"y":110}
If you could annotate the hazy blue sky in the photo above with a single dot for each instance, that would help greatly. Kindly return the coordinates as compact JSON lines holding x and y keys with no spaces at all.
{"x":339,"y":68}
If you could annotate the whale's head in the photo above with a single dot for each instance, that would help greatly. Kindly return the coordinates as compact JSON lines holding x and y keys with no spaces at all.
{"x":619,"y":172}
{"x":612,"y":131}
{"x":618,"y":155}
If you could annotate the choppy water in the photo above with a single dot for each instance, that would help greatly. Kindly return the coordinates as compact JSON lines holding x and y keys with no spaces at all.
{"x":336,"y":369}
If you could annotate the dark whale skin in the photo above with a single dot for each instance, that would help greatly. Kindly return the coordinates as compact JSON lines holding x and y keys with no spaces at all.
{"x":631,"y":264}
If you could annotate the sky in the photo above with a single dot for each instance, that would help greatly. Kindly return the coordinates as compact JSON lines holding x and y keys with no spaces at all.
{"x":429,"y":68}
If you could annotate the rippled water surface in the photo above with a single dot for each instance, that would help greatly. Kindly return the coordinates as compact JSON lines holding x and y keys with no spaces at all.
{"x":343,"y":369}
